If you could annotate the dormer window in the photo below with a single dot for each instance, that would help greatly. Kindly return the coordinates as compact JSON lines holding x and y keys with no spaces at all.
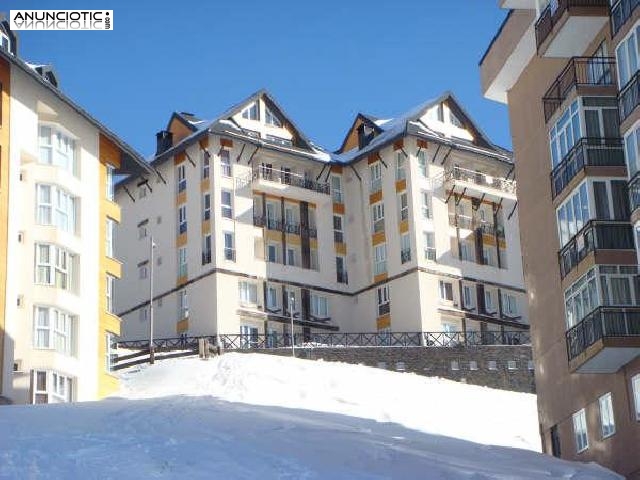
{"x":5,"y":43}
{"x":251,"y":112}
{"x":271,"y":119}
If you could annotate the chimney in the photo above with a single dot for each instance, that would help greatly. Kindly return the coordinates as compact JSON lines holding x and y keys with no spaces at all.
{"x":164,"y":141}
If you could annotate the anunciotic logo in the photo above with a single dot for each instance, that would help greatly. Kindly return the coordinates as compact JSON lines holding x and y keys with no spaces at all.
{"x":61,"y":19}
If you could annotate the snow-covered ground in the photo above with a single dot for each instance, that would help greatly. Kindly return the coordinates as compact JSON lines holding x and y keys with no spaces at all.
{"x":246,"y":416}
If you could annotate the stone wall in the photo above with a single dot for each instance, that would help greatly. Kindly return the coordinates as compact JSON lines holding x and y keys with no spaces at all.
{"x":455,"y":363}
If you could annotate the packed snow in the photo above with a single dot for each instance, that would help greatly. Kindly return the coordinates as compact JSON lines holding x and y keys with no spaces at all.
{"x":246,"y":416}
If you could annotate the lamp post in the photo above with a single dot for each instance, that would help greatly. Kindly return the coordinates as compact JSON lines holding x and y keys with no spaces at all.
{"x":151,"y":349}
{"x":292,"y":302}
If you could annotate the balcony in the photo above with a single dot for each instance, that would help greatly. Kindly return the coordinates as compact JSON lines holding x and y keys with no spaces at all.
{"x":287,"y":227}
{"x":589,"y":75}
{"x":487,"y":228}
{"x":634,"y":197}
{"x":565,"y":26}
{"x":621,"y":13}
{"x":461,"y":221}
{"x":629,"y":98}
{"x":587,"y":152}
{"x":281,"y":179}
{"x":605,"y":340}
{"x":480,"y":182}
{"x":595,"y":235}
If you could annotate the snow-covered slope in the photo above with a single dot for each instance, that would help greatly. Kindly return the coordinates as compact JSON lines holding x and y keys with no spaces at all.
{"x":177,"y":429}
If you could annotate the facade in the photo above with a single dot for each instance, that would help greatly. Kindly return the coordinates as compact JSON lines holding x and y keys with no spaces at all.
{"x":568,"y":71}
{"x":410,"y":226}
{"x":56,"y":218}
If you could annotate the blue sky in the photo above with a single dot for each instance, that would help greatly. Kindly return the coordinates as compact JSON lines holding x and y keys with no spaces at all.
{"x":324,"y":61}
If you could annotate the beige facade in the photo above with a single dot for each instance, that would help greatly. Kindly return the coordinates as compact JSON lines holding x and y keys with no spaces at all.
{"x":554,"y":65}
{"x":56,"y":325}
{"x":410,"y":230}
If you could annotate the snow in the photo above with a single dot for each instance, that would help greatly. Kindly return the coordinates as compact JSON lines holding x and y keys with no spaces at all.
{"x":247,"y":416}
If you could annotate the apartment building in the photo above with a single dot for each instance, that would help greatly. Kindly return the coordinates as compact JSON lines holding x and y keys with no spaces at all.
{"x":57,"y":217}
{"x":410,"y":226}
{"x":568,"y":71}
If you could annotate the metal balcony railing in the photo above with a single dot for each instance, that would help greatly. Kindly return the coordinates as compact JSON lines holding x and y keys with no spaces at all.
{"x":595,"y":235}
{"x":621,"y":12}
{"x":480,"y":178}
{"x":629,"y":97}
{"x":554,"y":11}
{"x":280,"y":226}
{"x":579,"y":72}
{"x":634,"y":191}
{"x":603,"y":322}
{"x":284,"y":177}
{"x":588,"y":151}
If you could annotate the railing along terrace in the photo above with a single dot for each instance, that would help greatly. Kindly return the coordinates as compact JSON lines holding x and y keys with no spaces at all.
{"x":629,"y":97}
{"x":603,"y":322}
{"x":289,"y":178}
{"x":335,"y":339}
{"x":480,"y":178}
{"x":587,"y":152}
{"x":595,"y":235}
{"x":549,"y":16}
{"x":579,"y":72}
{"x":621,"y":12}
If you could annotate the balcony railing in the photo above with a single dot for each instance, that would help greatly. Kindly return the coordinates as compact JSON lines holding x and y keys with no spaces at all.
{"x":280,"y":226}
{"x":487,"y":228}
{"x":634,"y":191}
{"x":604,"y":322}
{"x":629,"y":97}
{"x":587,"y":152}
{"x":285,"y":177}
{"x":479,"y":178}
{"x":579,"y":72}
{"x":230,"y":254}
{"x":620,"y":13}
{"x":461,"y":221}
{"x":291,"y":227}
{"x":554,"y":11}
{"x":595,"y":235}
{"x":384,"y":308}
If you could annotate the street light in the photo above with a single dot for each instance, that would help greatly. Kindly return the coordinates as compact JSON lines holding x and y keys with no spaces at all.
{"x":151,"y":349}
{"x":292,"y":302}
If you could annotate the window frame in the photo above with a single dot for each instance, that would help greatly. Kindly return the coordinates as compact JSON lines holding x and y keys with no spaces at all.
{"x":580,"y":430}
{"x":607,"y":417}
{"x":226,"y":207}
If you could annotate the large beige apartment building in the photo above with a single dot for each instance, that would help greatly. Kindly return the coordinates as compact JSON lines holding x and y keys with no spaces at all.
{"x":57,"y":216}
{"x":568,"y":70}
{"x":411,"y":226}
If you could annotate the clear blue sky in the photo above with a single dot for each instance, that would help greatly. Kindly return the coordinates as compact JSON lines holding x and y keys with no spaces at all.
{"x":324,"y":61}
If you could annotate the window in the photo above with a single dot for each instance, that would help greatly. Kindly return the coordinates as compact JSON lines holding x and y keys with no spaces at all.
{"x":455,"y":365}
{"x":607,"y":421}
{"x":509,"y":305}
{"x":227,"y":208}
{"x":555,"y":441}
{"x":565,"y":133}
{"x":205,"y":164}
{"x":272,"y":297}
{"x":400,"y":162}
{"x":319,"y":306}
{"x":53,"y":329}
{"x":341,"y":270}
{"x":492,"y":365}
{"x":313,"y":259}
{"x":182,"y":262}
{"x":468,"y":297}
{"x":384,"y":302}
{"x":182,"y":178}
{"x":142,"y":229}
{"x":51,"y":387}
{"x":56,"y":207}
{"x":627,"y":57}
{"x":375,"y":171}
{"x":429,"y":246}
{"x":206,"y":249}
{"x":280,"y":141}
{"x":635,"y":386}
{"x":57,"y":149}
{"x":632,"y":150}
{"x":377,"y":214}
{"x":466,"y":251}
{"x":182,"y":219}
{"x":251,"y":112}
{"x":426,"y":206}
{"x":272,"y":253}
{"x":338,"y":234}
{"x":109,"y":231}
{"x":473,"y":365}
{"x":248,"y":336}
{"x":225,"y":163}
{"x":110,"y":190}
{"x":110,"y":283}
{"x":206,"y":206}
{"x":512,"y":365}
{"x":573,"y":214}
{"x":488,"y":302}
{"x":248,"y":293}
{"x":229,"y":248}
{"x":183,"y":304}
{"x":405,"y":248}
{"x":142,"y":192}
{"x":581,"y":298}
{"x":380,"y":259}
{"x":55,"y":266}
{"x":580,"y":431}
{"x":404,"y":206}
{"x":271,"y":119}
{"x":143,"y":314}
{"x":110,"y":352}
{"x":336,"y":189}
{"x":422,"y":164}
{"x":292,"y":256}
{"x":445,"y":290}
{"x":143,"y":270}
{"x":489,"y":256}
